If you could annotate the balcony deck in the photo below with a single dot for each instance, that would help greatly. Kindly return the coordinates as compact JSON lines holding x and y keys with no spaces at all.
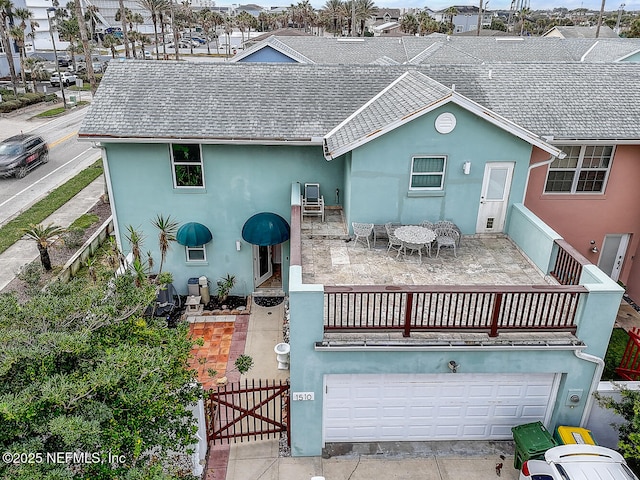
{"x":328,"y":259}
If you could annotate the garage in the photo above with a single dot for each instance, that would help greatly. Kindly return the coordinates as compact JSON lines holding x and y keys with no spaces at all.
{"x":422,"y":407}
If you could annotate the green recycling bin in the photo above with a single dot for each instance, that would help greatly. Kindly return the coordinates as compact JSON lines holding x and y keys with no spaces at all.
{"x":532,"y":440}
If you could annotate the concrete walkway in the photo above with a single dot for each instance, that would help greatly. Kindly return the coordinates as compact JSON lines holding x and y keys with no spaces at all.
{"x":24,"y":251}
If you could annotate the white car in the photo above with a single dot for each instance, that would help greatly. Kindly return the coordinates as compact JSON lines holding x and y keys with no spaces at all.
{"x":66,"y":77}
{"x":578,"y":462}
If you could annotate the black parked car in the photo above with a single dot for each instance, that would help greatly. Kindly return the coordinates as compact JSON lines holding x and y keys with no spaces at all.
{"x":21,"y":153}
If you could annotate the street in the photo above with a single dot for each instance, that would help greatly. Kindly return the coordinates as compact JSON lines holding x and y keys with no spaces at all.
{"x":67,"y":157}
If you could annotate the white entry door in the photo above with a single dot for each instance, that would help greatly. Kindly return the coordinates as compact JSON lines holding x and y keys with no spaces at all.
{"x":262,"y":264}
{"x":425,"y":407}
{"x":614,"y":249}
{"x":494,"y":198}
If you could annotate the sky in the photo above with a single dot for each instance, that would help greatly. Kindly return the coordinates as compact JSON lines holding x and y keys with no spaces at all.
{"x":610,"y":5}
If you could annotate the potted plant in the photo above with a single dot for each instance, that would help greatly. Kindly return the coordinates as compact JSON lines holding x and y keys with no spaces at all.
{"x":242,"y":365}
{"x":225,"y":285}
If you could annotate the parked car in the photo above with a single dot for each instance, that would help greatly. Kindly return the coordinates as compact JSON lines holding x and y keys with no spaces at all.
{"x":577,"y":462}
{"x":67,"y":79}
{"x":21,"y":153}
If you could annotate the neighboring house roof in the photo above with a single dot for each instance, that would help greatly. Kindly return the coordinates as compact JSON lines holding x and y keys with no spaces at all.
{"x":281,"y":32}
{"x":443,"y":49}
{"x":391,"y":12}
{"x":275,"y":44}
{"x":386,"y":25}
{"x":286,"y":103}
{"x":581,"y":32}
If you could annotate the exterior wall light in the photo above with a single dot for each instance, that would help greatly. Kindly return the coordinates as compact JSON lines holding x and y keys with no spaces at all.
{"x":594,"y":247}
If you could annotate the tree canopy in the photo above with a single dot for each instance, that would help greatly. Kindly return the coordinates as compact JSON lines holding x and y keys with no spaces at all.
{"x":82,"y":371}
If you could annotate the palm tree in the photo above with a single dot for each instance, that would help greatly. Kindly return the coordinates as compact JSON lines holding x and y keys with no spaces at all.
{"x":347,"y":12}
{"x":85,"y":46}
{"x":134,"y":36}
{"x":6,"y":7}
{"x":168,"y":229}
{"x":333,"y":9}
{"x":43,"y":235}
{"x":228,"y":30}
{"x":450,"y":13}
{"x":35,"y":65}
{"x":154,"y":7}
{"x":122,"y":16}
{"x":17,"y":35}
{"x":365,"y":9}
{"x":111,"y":42}
{"x":523,"y":17}
{"x":426,"y":24}
{"x":409,"y":24}
{"x":243,"y":21}
{"x":91,"y":16}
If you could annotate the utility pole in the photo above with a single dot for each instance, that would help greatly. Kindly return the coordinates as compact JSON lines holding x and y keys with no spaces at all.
{"x":479,"y":19}
{"x":620,"y":10}
{"x":55,"y":54}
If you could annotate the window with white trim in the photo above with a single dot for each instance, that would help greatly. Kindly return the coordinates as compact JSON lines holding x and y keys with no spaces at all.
{"x":196,"y":254}
{"x":187,"y":165}
{"x":427,"y":173}
{"x":584,"y":170}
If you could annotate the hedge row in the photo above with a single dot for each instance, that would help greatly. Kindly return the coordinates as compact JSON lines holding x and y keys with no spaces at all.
{"x":9,"y":102}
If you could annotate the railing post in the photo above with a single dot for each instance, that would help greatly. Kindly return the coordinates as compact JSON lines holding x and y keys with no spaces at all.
{"x":497,"y":303}
{"x":407,"y":315}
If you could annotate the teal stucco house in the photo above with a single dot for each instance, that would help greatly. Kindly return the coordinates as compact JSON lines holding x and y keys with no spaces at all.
{"x":511,"y":330}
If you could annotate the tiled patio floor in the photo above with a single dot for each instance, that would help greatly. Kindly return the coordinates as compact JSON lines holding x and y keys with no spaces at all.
{"x":223,"y":342}
{"x":328,"y":259}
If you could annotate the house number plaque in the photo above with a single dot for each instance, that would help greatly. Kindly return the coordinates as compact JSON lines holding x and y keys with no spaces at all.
{"x":302,"y":396}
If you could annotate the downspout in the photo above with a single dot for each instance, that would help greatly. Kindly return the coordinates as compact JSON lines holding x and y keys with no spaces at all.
{"x":531,"y":167}
{"x":594,"y":383}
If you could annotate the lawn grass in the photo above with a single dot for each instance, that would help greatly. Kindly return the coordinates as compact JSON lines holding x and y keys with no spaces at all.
{"x":58,"y":110}
{"x":617,"y":345}
{"x":12,"y":231}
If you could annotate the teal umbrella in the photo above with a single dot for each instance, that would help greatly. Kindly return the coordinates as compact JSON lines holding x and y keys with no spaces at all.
{"x":193,"y":234}
{"x":265,"y":228}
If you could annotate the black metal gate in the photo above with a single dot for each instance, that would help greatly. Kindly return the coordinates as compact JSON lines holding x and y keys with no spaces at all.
{"x":255,"y":409}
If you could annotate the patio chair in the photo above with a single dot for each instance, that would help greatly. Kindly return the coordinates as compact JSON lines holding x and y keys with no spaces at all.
{"x":447,"y":237}
{"x":312,"y":201}
{"x":362,"y":231}
{"x":449,"y":224}
{"x":394,"y":243}
{"x":415,"y":247}
{"x":427,"y":224}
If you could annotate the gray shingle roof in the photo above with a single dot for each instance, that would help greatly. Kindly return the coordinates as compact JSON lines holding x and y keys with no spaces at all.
{"x":442,"y":49}
{"x":289,"y":102}
{"x":411,"y":93}
{"x":584,"y":32}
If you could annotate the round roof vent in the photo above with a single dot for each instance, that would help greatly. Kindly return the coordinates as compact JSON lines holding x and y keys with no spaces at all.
{"x":445,"y":123}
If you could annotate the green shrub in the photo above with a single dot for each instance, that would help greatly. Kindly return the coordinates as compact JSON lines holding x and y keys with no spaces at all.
{"x":73,"y":237}
{"x":31,"y":275}
{"x":10,"y":105}
{"x":33,"y":97}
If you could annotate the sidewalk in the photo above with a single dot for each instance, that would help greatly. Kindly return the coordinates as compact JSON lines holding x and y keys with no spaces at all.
{"x":24,"y":251}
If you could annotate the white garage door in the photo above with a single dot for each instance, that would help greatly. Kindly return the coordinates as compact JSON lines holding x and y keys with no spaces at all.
{"x":414,"y":407}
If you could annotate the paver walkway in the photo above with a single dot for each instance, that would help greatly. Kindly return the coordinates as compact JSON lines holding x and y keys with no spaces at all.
{"x":224,"y":342}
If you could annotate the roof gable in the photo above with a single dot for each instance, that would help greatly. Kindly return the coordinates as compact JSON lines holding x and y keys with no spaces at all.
{"x":412,"y":95}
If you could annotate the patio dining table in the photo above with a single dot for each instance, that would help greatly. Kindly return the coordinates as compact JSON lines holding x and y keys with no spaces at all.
{"x":415,"y":237}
